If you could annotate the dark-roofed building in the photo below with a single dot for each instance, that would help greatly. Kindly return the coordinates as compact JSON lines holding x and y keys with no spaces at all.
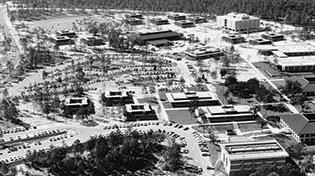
{"x":234,"y":39}
{"x":159,"y":21}
{"x":185,"y":24}
{"x":67,"y":33}
{"x":198,"y":19}
{"x":114,"y":98}
{"x":92,"y":41}
{"x":138,"y":16}
{"x":160,"y":43}
{"x":301,"y":125}
{"x":260,"y":41}
{"x":307,"y":84}
{"x":177,"y":17}
{"x":143,"y":38}
{"x":134,"y":21}
{"x":136,"y":112}
{"x":61,"y":40}
{"x":273,"y":37}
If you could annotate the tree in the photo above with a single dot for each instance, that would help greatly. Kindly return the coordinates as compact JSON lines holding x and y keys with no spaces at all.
{"x":230,"y":80}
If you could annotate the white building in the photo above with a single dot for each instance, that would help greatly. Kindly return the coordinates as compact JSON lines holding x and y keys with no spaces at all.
{"x":239,"y":158}
{"x":239,"y":22}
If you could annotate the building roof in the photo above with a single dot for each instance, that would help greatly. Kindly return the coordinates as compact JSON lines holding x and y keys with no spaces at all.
{"x":297,"y":122}
{"x":115,"y":94}
{"x":231,"y":109}
{"x":240,"y":16}
{"x":189,"y":96}
{"x":159,"y":42}
{"x":141,"y":107}
{"x":295,"y":48}
{"x":254,"y":150}
{"x":76,"y":101}
{"x":158,"y":35}
{"x":296,"y":61}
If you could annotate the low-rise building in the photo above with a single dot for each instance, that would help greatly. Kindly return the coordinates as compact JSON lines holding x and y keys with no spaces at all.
{"x":112,"y":98}
{"x":61,"y":40}
{"x":177,"y":17}
{"x":136,"y":112}
{"x":273,"y":37}
{"x":301,"y":125}
{"x":260,"y":41}
{"x":66,"y":33}
{"x":198,"y":19}
{"x":159,"y":21}
{"x":241,"y":22}
{"x":204,"y":53}
{"x":72,"y":105}
{"x":143,"y":38}
{"x":227,"y":113}
{"x":234,"y":39}
{"x":307,"y":84}
{"x":134,"y":21}
{"x":160,"y":43}
{"x":184,"y":99}
{"x":92,"y":41}
{"x":242,"y":158}
{"x":134,"y":15}
{"x":185,"y":24}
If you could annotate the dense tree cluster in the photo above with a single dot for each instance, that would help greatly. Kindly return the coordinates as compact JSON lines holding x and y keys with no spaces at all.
{"x":248,"y":89}
{"x":117,"y":154}
{"x":286,"y":170}
{"x":291,"y":11}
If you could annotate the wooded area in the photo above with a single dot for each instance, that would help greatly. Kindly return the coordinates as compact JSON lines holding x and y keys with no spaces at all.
{"x":299,"y":12}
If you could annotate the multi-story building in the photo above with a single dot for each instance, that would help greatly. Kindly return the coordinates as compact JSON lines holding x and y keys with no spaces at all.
{"x":111,"y":98}
{"x":184,"y":99}
{"x":234,"y":39}
{"x":136,"y":112}
{"x":244,"y":157}
{"x":241,"y":22}
{"x":301,"y":125}
{"x":227,"y":113}
{"x":61,"y":40}
{"x":92,"y":41}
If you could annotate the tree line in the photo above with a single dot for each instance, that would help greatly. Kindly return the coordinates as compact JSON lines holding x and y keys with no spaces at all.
{"x":299,"y":12}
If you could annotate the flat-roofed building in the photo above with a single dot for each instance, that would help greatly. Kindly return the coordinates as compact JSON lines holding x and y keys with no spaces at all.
{"x":234,"y":39}
{"x":294,"y":50}
{"x":204,"y":53}
{"x":307,"y":84}
{"x":136,"y":112}
{"x":112,"y":98}
{"x":159,"y":21}
{"x":134,"y":21}
{"x":239,"y":22}
{"x":72,"y":105}
{"x":134,"y":15}
{"x":61,"y":40}
{"x":198,"y":19}
{"x":184,"y":99}
{"x":67,"y":33}
{"x":185,"y":24}
{"x":92,"y":40}
{"x":177,"y":17}
{"x":143,"y":38}
{"x":160,"y":43}
{"x":242,"y":157}
{"x":260,"y":41}
{"x":273,"y":37}
{"x":301,"y":125}
{"x":228,"y":113}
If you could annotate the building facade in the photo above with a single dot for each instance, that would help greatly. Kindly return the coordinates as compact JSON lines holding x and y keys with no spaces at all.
{"x":114,"y":98}
{"x":243,"y":158}
{"x":137,"y":112}
{"x":239,"y":22}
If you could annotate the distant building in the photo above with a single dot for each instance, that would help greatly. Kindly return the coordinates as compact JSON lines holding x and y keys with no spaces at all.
{"x":112,"y":98}
{"x":204,"y":53}
{"x":198,"y":19}
{"x":72,"y":105}
{"x":260,"y":41}
{"x":301,"y":125}
{"x":92,"y":41}
{"x":61,"y":40}
{"x":239,"y":158}
{"x":234,"y":39}
{"x":159,"y":21}
{"x":66,"y":33}
{"x":160,"y":43}
{"x":241,"y":22}
{"x":227,"y":113}
{"x":134,"y":21}
{"x":143,"y":38}
{"x":273,"y":37}
{"x":138,"y":16}
{"x":184,"y":99}
{"x":177,"y":17}
{"x":185,"y":24}
{"x":136,"y":112}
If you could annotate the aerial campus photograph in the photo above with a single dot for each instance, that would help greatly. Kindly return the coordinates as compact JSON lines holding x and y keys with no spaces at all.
{"x":157,"y":87}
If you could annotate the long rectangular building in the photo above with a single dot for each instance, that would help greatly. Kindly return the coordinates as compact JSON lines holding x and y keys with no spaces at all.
{"x":239,"y":158}
{"x":143,"y":38}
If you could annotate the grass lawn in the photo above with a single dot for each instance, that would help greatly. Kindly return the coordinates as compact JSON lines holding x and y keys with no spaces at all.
{"x":246,"y":127}
{"x":150,"y":100}
{"x":182,"y":116}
